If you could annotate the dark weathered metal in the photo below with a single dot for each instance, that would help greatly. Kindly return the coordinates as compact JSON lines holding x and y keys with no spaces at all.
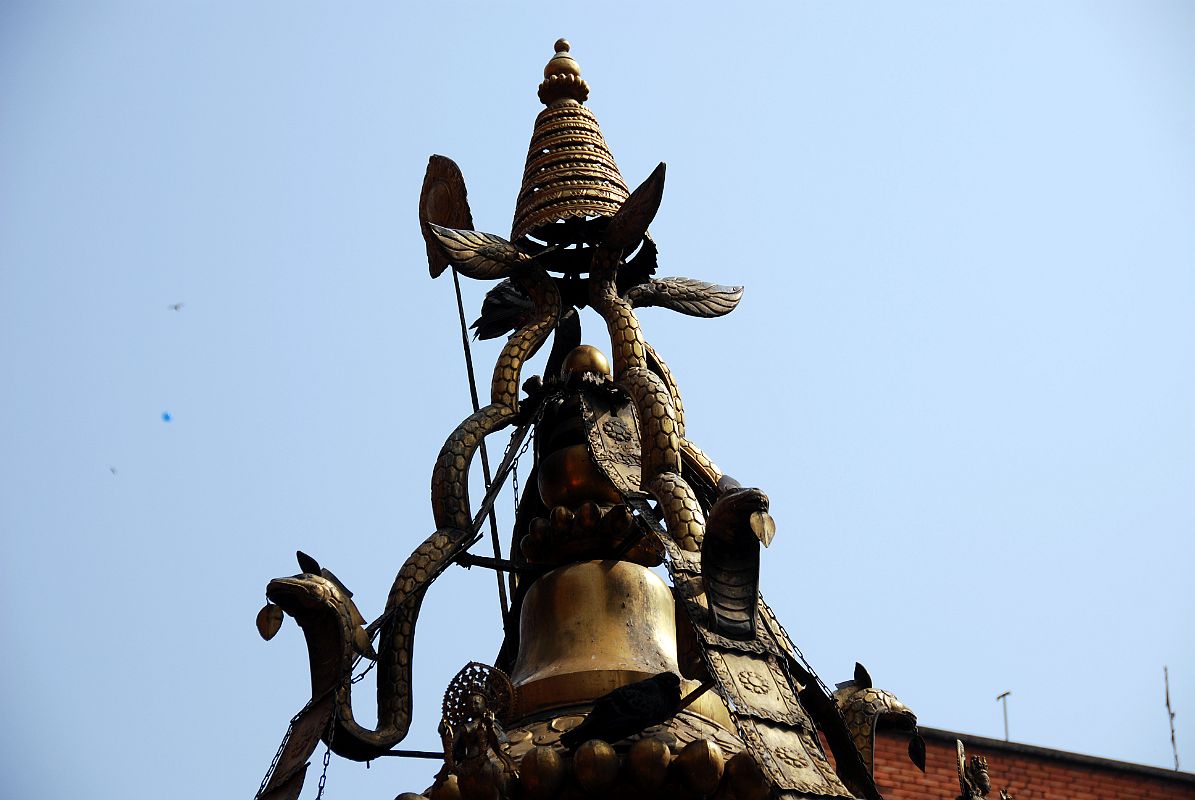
{"x":617,"y":487}
{"x":628,"y":710}
{"x":973,"y":779}
{"x":865,"y":707}
{"x":434,"y":755}
{"x":468,"y":560}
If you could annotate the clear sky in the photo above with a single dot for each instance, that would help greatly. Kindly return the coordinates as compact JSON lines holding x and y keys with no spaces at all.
{"x":964,"y":366}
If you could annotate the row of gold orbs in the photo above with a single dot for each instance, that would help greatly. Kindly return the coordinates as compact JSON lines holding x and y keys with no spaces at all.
{"x":649,"y":769}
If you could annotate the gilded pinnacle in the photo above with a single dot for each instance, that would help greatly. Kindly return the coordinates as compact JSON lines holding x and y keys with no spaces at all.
{"x":570,"y":172}
{"x":562,"y":78}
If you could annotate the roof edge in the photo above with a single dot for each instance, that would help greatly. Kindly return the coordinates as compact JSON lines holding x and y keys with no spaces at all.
{"x":1058,"y":755}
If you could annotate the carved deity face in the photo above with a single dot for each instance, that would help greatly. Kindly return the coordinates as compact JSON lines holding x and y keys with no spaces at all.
{"x":477,"y":705}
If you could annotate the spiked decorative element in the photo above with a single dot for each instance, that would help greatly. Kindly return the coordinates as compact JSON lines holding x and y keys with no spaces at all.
{"x":570,"y":172}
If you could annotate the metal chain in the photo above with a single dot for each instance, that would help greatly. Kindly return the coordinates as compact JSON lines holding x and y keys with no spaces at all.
{"x":514,"y":467}
{"x":290,"y":727}
{"x":358,"y":678}
{"x":804,"y":661}
{"x":376,"y":625}
{"x":323,"y":777}
{"x":514,"y":477}
{"x":277,"y":755}
{"x":377,"y":630}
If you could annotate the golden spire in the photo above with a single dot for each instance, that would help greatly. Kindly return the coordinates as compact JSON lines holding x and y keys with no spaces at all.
{"x":570,"y":172}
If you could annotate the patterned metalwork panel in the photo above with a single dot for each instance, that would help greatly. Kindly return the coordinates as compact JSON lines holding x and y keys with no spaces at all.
{"x":613,"y":433}
{"x":758,"y":684}
{"x":791,"y":758}
{"x":751,"y":678}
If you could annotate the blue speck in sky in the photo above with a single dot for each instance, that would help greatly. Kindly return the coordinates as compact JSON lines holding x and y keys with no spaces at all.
{"x":166,"y":417}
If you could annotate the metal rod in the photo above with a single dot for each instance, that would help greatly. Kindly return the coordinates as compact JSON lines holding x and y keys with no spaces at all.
{"x":512,"y":454}
{"x":468,"y":560}
{"x":485,"y":458}
{"x":1004,"y":699}
{"x":412,"y":754}
{"x":692,"y":696}
{"x":1170,"y":712}
{"x":487,"y":505}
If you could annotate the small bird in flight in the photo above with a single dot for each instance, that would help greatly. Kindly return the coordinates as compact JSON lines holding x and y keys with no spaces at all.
{"x":112,"y":470}
{"x":175,"y":306}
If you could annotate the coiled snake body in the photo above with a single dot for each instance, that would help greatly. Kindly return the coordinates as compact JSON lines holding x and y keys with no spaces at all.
{"x":453,"y":518}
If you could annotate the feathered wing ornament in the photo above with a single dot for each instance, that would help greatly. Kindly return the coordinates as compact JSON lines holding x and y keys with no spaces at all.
{"x":686,"y":295}
{"x":506,"y":308}
{"x":483,"y":256}
{"x":629,"y":224}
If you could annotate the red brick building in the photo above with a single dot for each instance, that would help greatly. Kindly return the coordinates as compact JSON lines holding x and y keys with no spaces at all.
{"x":1027,"y":772}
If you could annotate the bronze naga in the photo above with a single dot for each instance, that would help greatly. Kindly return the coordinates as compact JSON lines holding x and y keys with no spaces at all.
{"x":618,"y":488}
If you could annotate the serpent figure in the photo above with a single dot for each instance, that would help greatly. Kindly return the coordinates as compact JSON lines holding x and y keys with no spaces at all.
{"x":661,"y":438}
{"x":329,"y":634}
{"x":865,"y":708}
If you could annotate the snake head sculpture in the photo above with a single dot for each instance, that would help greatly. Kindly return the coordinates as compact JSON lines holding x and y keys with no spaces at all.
{"x":737,"y":524}
{"x":865,"y":709}
{"x":316,"y":596}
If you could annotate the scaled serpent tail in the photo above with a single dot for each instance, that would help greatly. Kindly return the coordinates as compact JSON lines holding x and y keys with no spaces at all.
{"x":661,"y":429}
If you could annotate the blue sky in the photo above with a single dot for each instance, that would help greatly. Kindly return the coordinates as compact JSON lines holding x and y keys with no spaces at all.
{"x":962,"y":369}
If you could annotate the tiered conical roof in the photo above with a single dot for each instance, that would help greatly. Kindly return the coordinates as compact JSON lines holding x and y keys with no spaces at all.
{"x":570,"y":172}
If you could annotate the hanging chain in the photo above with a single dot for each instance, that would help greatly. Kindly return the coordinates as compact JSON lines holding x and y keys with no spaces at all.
{"x":514,"y":477}
{"x":788,"y":640}
{"x":358,"y":678}
{"x":514,"y":466}
{"x":323,"y":776}
{"x":290,"y":728}
{"x":514,"y":469}
{"x":277,"y":755}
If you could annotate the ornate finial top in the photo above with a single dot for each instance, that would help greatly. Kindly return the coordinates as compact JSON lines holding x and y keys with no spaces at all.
{"x":562,"y":78}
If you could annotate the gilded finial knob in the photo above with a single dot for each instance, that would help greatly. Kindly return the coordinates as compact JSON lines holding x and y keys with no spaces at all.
{"x":585,"y":359}
{"x":562,"y":63}
{"x":562,"y":77}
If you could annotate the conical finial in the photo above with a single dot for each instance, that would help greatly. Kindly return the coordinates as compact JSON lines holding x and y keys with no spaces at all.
{"x":562,"y":78}
{"x":570,"y":172}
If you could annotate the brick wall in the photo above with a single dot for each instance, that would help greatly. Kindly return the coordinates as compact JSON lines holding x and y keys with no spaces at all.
{"x":1029,"y":773}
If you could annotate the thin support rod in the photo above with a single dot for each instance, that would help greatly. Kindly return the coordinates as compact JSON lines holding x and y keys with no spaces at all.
{"x":485,"y":458}
{"x":468,"y":561}
{"x":1170,"y":712}
{"x":692,"y":696}
{"x":487,"y":506}
{"x":412,"y":754}
{"x":1004,"y":699}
